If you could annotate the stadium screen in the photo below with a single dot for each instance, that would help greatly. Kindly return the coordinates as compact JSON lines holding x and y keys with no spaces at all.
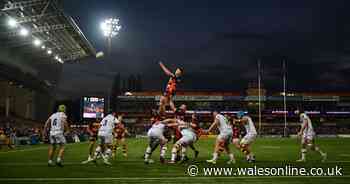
{"x":93,"y":107}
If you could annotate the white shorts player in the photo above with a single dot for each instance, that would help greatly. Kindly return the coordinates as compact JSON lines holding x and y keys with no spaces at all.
{"x":224,"y":128}
{"x":188,"y":135}
{"x":308,"y":133}
{"x":250,"y":131}
{"x":57,"y":128}
{"x":105,"y":132}
{"x":157,"y":131}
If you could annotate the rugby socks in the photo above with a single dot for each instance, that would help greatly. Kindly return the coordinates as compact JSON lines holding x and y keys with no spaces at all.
{"x":148,"y":153}
{"x":183,"y":153}
{"x":303,"y":154}
{"x":215,"y":156}
{"x":232,"y":157}
{"x":162,"y":151}
{"x":319,"y":150}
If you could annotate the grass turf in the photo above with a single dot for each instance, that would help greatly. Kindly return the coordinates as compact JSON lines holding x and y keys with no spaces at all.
{"x":29,"y":164}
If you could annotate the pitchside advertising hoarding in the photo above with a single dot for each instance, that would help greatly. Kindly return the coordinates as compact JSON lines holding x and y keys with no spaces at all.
{"x":93,"y":107}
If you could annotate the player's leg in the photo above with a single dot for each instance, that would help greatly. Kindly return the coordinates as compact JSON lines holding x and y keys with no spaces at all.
{"x":153,"y":144}
{"x":92,"y":148}
{"x":61,"y":142}
{"x":100,"y":148}
{"x":162,"y":104}
{"x":235,"y":142}
{"x":227,"y":150}
{"x":303,"y":150}
{"x":175,"y":149}
{"x":316,"y":148}
{"x":196,"y":152}
{"x":51,"y":150}
{"x":107,"y":153}
{"x":171,"y":104}
{"x":92,"y":145}
{"x":245,"y":147}
{"x":217,"y":149}
{"x":124,"y":147}
{"x":163,"y":149}
{"x":115,"y":148}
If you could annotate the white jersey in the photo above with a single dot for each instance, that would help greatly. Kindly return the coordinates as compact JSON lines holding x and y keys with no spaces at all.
{"x":157,"y":129}
{"x":309,"y":130}
{"x":249,"y":126}
{"x":224,"y":125}
{"x":107,"y":125}
{"x":57,"y":123}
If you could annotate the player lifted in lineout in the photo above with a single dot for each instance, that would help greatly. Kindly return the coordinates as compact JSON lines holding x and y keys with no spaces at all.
{"x":105,"y":138}
{"x":167,"y":97}
{"x":119,"y":133}
{"x":56,"y":126}
{"x":307,"y":136}
{"x":156,"y":138}
{"x":92,"y":129}
{"x":223,"y":140}
{"x":250,"y":136}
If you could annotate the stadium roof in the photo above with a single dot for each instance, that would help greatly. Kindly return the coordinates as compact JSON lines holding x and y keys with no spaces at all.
{"x":42,"y":32}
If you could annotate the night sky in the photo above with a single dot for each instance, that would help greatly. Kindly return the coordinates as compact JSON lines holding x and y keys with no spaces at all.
{"x":218,"y":44}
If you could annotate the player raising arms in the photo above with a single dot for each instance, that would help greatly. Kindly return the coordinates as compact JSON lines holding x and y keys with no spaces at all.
{"x":307,"y":136}
{"x":223,"y":139}
{"x":56,"y":125}
{"x":92,"y":130}
{"x":166,"y":98}
{"x":156,"y":137}
{"x":119,"y":133}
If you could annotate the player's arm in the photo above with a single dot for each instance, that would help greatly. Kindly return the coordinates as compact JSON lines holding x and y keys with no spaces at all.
{"x":88,"y":129}
{"x":213,"y":125}
{"x":166,"y":70}
{"x":65,"y":125}
{"x":47,"y":127}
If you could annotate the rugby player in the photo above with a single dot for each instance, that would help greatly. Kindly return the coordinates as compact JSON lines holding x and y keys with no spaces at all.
{"x":120,"y":133}
{"x":92,"y":129}
{"x":166,"y":98}
{"x":307,"y":135}
{"x":56,"y":126}
{"x":223,"y":139}
{"x":249,"y":138}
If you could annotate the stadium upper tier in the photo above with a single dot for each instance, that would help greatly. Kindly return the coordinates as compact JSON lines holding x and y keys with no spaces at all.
{"x":36,"y":37}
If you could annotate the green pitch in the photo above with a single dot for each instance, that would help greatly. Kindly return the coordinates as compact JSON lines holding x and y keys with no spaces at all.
{"x":29,"y":164}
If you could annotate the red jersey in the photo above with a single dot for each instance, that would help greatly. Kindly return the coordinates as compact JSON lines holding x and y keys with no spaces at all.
{"x":171,"y":86}
{"x":235,"y":132}
{"x":119,"y":131}
{"x":93,"y":127}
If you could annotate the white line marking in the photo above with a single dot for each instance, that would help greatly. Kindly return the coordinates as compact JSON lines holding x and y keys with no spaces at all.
{"x":24,"y":150}
{"x":167,"y":178}
{"x":344,"y":155}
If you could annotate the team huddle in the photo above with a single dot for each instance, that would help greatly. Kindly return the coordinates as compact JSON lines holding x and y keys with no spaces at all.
{"x":107,"y":135}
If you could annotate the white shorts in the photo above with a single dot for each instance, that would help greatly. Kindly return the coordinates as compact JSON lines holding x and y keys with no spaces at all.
{"x":57,"y":139}
{"x":248,"y":139}
{"x":225,"y":136}
{"x":307,"y":139}
{"x":105,"y":139}
{"x":187,"y":139}
{"x":156,"y":134}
